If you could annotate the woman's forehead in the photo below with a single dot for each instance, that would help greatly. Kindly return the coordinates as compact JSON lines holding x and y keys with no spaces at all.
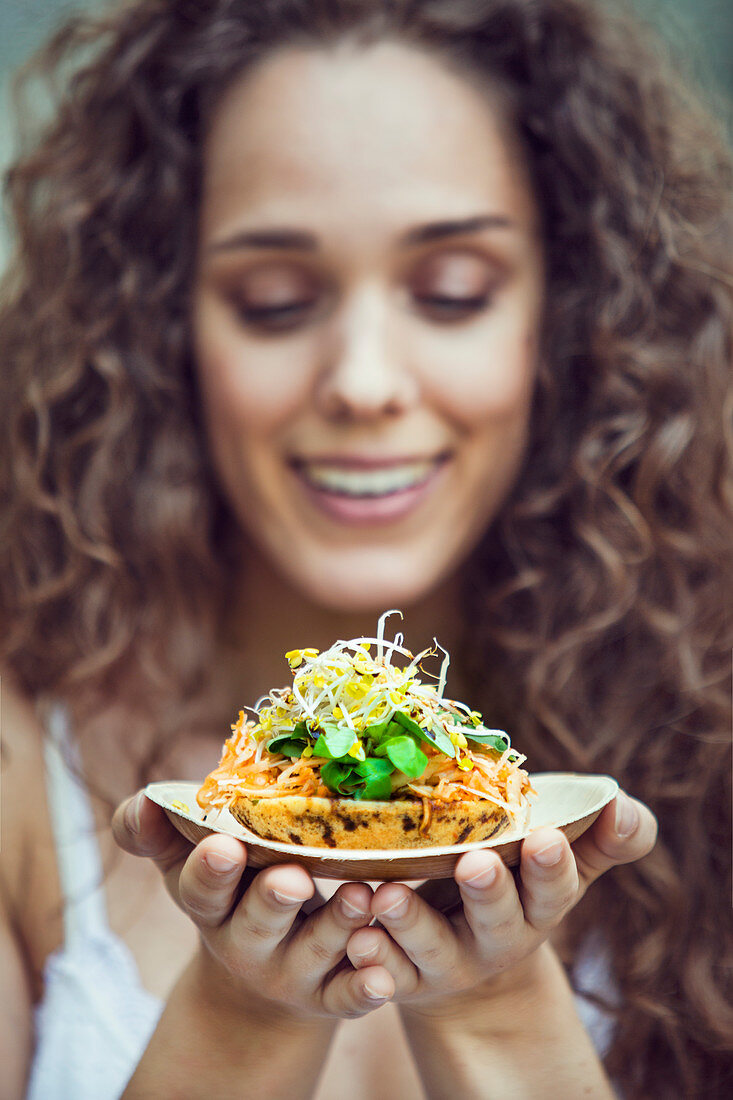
{"x":385,"y":133}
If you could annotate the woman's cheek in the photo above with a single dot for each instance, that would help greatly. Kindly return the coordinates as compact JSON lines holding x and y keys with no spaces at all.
{"x":247,"y":381}
{"x":492,"y":382}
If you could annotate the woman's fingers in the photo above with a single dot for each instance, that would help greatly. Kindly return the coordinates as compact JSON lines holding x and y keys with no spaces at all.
{"x":491,"y":904}
{"x":351,"y":993}
{"x":549,"y":883}
{"x":141,"y":827}
{"x":426,"y":936}
{"x":370,"y":947}
{"x":625,"y":831}
{"x":210,"y":880}
{"x":267,"y":910}
{"x":319,"y":943}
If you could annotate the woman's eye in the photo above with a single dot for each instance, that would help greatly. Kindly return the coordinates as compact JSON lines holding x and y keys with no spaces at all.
{"x":274,"y":318}
{"x":444,"y":308}
{"x":288,"y":315}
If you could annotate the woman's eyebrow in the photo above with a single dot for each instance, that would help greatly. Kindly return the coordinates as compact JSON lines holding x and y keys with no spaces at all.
{"x":421,"y":234}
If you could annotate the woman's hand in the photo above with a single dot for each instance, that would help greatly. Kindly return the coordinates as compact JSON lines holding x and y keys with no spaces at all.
{"x":260,"y":949}
{"x":439,"y":959}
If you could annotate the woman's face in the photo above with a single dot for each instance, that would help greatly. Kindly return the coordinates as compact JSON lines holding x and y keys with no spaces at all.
{"x":366,"y":316}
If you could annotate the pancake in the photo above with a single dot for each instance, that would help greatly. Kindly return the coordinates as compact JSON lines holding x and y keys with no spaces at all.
{"x":348,"y":823}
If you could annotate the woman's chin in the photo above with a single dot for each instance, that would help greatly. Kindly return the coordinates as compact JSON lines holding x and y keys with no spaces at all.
{"x":363,"y":586}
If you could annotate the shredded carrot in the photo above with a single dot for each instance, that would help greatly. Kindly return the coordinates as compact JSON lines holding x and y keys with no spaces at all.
{"x":495,"y":780}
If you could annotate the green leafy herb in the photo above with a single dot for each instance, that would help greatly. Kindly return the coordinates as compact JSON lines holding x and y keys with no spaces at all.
{"x":377,"y":731}
{"x":334,"y":742}
{"x":287,"y":743}
{"x":363,"y":779}
{"x":406,"y":756}
{"x":335,"y":776}
{"x":493,"y":739}
{"x":408,"y":724}
{"x":438,"y":737}
{"x":375,"y":779}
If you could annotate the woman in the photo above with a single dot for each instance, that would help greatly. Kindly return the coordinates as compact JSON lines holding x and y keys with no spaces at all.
{"x":321,"y":308}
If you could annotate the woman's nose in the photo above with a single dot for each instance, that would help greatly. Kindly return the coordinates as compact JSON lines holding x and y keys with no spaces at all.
{"x":362,"y":378}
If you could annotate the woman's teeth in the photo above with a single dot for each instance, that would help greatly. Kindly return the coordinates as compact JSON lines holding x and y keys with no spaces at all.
{"x":367,"y":483}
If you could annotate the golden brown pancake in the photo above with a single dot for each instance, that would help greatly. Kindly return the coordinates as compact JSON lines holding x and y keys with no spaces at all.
{"x":347,"y":823}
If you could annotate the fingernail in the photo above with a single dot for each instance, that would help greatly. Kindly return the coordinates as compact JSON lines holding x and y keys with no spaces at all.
{"x":350,"y":910}
{"x":627,"y":815}
{"x":285,"y":899}
{"x":397,"y":910}
{"x":368,"y":953}
{"x":132,"y":813}
{"x":549,"y":856}
{"x":483,"y":878}
{"x":373,"y":995}
{"x":219,"y":864}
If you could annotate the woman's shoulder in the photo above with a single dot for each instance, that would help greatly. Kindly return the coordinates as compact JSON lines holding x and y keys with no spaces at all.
{"x":28,"y":872}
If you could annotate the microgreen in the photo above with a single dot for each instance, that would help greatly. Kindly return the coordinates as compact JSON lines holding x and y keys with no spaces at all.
{"x":362,"y":779}
{"x":335,"y":776}
{"x":365,"y":746}
{"x":377,"y":731}
{"x":287,"y":743}
{"x":493,"y":739}
{"x":438,"y":737}
{"x":407,"y":723}
{"x":406,"y":756}
{"x":375,"y":776}
{"x":334,"y":742}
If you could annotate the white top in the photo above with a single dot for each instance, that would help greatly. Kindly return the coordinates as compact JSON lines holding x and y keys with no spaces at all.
{"x":96,"y":1019}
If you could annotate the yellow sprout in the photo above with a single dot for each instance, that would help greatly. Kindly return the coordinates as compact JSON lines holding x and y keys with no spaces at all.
{"x":465,"y":763}
{"x":294,"y":658}
{"x":357,"y":750}
{"x":458,"y":739}
{"x":363,"y":664}
{"x":307,"y":752}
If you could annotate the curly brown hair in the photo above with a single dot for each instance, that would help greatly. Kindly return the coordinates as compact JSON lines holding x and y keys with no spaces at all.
{"x":598,"y":598}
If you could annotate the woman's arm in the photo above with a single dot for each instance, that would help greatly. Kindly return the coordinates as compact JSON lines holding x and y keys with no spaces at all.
{"x":208,"y":1044}
{"x":517,"y":1043}
{"x":22,"y":817}
{"x":16,"y":1020}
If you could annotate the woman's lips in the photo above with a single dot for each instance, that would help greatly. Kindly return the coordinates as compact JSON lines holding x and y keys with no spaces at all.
{"x":360,"y":501}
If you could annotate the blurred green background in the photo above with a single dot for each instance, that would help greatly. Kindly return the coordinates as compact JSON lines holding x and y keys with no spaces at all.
{"x":701,"y":31}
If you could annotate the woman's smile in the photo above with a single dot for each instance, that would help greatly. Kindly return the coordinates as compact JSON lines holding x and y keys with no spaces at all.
{"x":361,"y":490}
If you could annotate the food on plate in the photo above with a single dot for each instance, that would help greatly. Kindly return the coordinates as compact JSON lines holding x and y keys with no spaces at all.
{"x":360,"y":752}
